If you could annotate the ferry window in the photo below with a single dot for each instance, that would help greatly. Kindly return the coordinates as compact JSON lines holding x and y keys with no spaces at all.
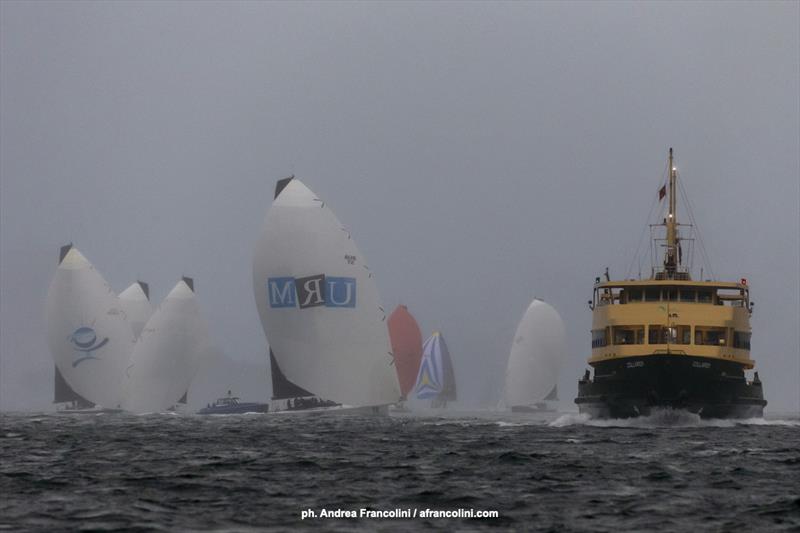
{"x":741,"y":339}
{"x":687,"y":295}
{"x":704,"y":297}
{"x":715,"y":336}
{"x":623,"y":296}
{"x":652,"y":295}
{"x":628,"y":334}
{"x":732,"y":297}
{"x":684,"y":335}
{"x":635,"y":295}
{"x":657,"y":334}
{"x":605,"y":297}
{"x":670,"y":295}
{"x":598,"y":338}
{"x":710,"y":336}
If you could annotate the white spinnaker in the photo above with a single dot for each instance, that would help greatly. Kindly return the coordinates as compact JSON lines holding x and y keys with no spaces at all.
{"x":137,"y":307}
{"x":539,"y":346}
{"x":173,"y":344}
{"x":89,"y":336}
{"x":338,"y":353}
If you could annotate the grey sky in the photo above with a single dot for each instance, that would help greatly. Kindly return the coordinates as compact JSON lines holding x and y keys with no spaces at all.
{"x":481,"y":154}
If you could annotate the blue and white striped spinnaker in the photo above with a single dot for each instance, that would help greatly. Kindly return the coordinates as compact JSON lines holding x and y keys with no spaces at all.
{"x":436,"y":378}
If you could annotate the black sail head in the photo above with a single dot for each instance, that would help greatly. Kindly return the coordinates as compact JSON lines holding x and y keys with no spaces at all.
{"x":281,"y":184}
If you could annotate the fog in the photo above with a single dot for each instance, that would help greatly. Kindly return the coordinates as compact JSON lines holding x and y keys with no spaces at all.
{"x":481,"y":154}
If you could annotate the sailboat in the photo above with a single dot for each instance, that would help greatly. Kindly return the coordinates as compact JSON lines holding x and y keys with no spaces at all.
{"x":171,"y":347}
{"x":536,"y":354}
{"x":436,"y":380}
{"x":89,"y":336}
{"x":319,"y":308}
{"x":406,"y":340}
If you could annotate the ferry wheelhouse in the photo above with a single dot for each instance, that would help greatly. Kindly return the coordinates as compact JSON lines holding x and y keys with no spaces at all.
{"x":670,"y":341}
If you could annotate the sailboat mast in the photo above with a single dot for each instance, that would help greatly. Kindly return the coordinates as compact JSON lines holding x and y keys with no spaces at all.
{"x":670,"y":261}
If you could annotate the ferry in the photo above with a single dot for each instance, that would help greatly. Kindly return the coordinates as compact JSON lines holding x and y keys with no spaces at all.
{"x":670,"y":341}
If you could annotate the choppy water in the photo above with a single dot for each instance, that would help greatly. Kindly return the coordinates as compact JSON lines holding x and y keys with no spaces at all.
{"x":252,"y":472}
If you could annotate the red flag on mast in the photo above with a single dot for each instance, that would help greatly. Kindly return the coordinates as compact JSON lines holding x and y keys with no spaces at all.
{"x":662,"y":192}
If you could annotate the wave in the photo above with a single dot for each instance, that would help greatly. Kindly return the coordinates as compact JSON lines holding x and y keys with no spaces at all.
{"x":461,"y":422}
{"x":666,"y":417}
{"x":506,"y":424}
{"x":479,"y":422}
{"x":233,"y":415}
{"x":770,"y":422}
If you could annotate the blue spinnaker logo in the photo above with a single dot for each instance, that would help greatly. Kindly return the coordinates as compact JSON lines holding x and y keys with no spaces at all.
{"x":311,"y":291}
{"x":84,"y":340}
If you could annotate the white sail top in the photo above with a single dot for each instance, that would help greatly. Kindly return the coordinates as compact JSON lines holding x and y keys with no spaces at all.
{"x":319,"y":304}
{"x":172,"y":346}
{"x":137,"y":307}
{"x":539,"y":346}
{"x":87,"y":331}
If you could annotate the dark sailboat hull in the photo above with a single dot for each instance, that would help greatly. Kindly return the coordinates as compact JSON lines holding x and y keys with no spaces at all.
{"x":636,"y":386}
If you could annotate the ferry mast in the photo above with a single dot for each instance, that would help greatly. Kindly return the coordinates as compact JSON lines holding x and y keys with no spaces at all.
{"x":671,"y":258}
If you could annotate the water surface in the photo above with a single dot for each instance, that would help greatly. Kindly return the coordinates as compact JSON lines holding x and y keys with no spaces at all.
{"x":670,"y":472}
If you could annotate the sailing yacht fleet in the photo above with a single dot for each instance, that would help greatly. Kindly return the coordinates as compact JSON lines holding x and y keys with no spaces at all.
{"x":332,"y":347}
{"x":115,"y":352}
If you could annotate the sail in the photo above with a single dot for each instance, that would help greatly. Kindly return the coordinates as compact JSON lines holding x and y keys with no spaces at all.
{"x":62,"y":392}
{"x":135,"y":301}
{"x":172,"y":346}
{"x":536,"y":354}
{"x":282,"y":388}
{"x":89,"y":336}
{"x":436,"y":378}
{"x":553,"y":395}
{"x":449,"y":391}
{"x":319,"y":304}
{"x":406,"y":340}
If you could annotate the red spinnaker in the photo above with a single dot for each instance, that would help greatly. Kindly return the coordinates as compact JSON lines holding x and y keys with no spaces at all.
{"x":406,"y":341}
